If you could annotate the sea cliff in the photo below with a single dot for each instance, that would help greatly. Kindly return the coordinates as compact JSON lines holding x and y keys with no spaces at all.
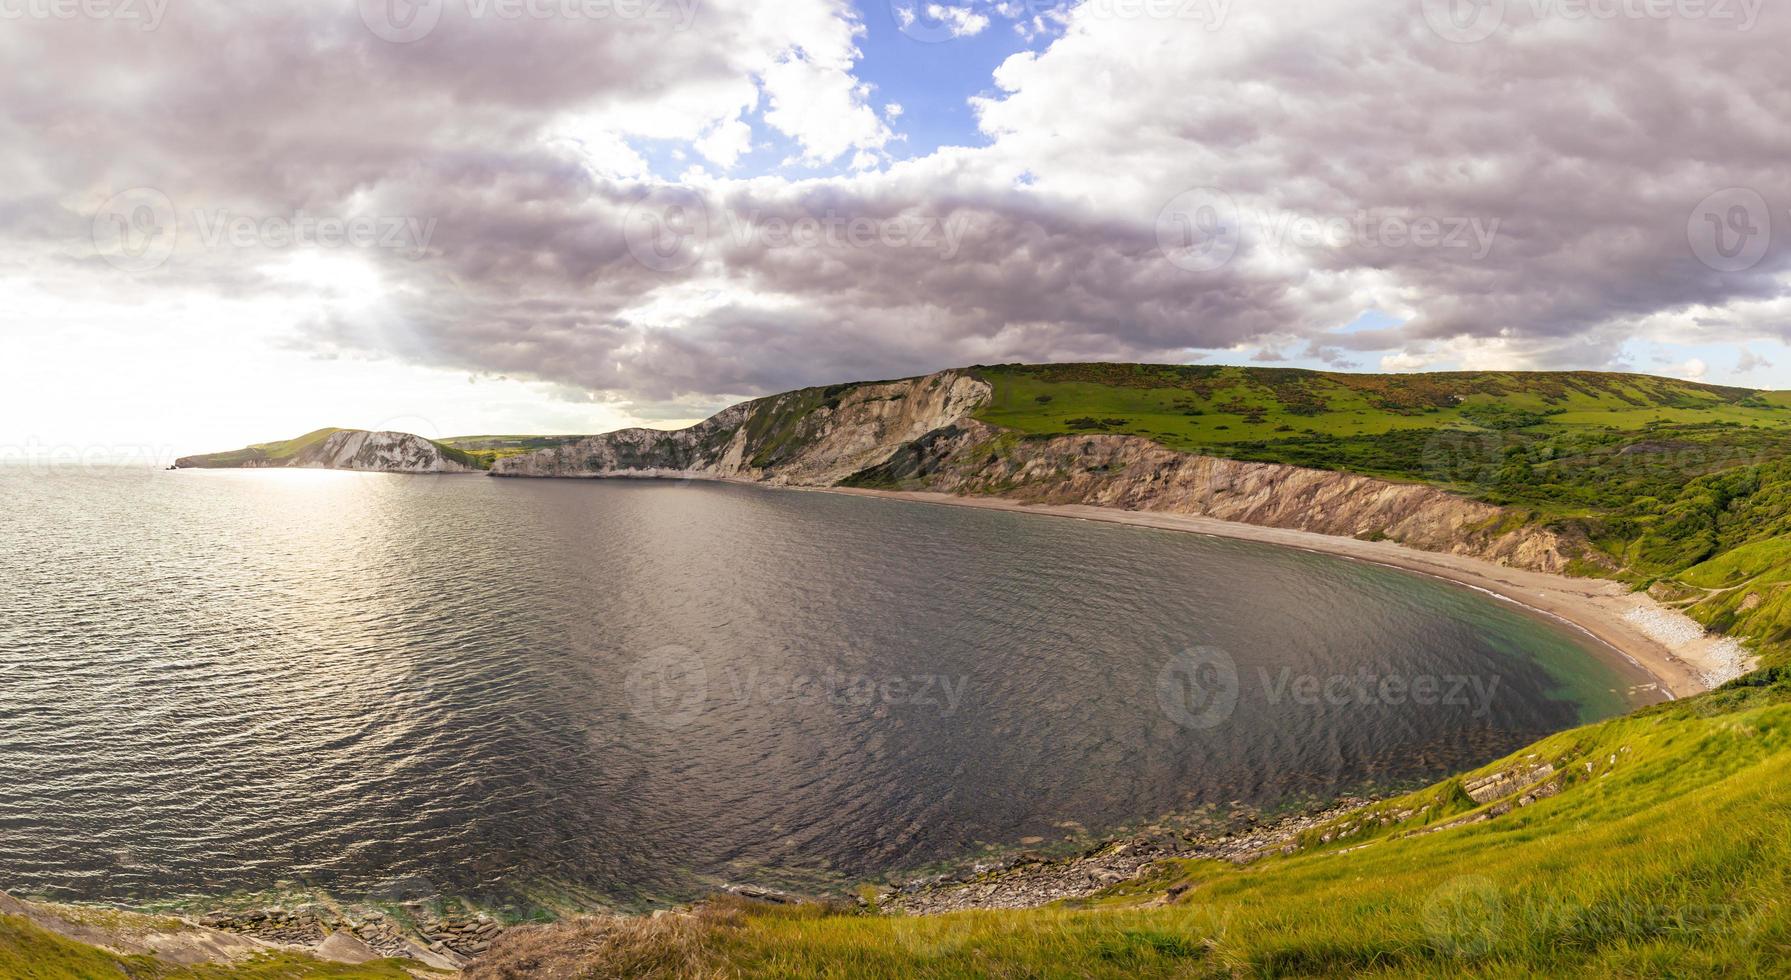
{"x":810,"y":437}
{"x":922,"y":434}
{"x":343,"y":449}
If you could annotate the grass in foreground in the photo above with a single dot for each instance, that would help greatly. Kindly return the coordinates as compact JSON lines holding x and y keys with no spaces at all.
{"x":30,"y":953}
{"x":1667,"y":852}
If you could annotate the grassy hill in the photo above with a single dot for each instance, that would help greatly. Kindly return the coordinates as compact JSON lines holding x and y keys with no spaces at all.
{"x":489,"y":449}
{"x":477,"y":452}
{"x":1684,"y":488}
{"x":1662,"y":852}
{"x":1260,"y":400}
{"x":1548,"y":439}
{"x":263,"y":454}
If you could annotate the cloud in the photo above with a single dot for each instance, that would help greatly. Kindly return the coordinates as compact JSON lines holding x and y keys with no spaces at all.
{"x":1404,"y":361}
{"x":943,"y":20}
{"x":1748,"y":362}
{"x":1536,"y":199}
{"x":726,"y":142}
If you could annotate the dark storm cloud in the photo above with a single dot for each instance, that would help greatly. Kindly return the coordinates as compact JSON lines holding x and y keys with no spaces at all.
{"x":1570,"y":161}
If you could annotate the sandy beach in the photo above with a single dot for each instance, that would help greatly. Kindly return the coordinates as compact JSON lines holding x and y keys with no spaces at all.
{"x":1666,"y":644}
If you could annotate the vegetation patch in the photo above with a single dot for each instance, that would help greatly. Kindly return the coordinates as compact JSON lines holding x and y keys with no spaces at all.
{"x":1667,"y":481}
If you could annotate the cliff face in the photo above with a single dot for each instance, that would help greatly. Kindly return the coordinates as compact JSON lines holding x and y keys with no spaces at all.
{"x":919,"y":434}
{"x":383,"y":452}
{"x":1129,"y":473}
{"x":811,"y":437}
{"x":348,"y":449}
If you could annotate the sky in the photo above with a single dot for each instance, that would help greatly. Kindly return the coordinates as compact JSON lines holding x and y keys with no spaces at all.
{"x":224,"y":223}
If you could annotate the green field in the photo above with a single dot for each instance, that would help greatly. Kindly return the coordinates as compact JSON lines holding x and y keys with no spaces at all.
{"x":265,"y":453}
{"x":486,"y":450}
{"x":1682,"y":487}
{"x":1455,"y":429}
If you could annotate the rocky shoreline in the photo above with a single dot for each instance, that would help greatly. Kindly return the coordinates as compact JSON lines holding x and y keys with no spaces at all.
{"x":1029,"y":880}
{"x":454,"y":938}
{"x":444,"y":939}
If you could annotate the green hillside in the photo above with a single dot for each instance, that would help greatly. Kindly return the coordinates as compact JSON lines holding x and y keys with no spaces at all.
{"x":1569,"y":430}
{"x":478,"y":452}
{"x":1566,"y":442}
{"x":1662,"y":851}
{"x":489,"y":449}
{"x":261,"y":454}
{"x":1682,"y":487}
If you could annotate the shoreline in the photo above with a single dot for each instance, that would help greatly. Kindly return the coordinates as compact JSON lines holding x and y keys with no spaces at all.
{"x":1660,"y":642}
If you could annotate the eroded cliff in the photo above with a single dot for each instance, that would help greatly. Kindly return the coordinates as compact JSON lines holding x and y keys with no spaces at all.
{"x":343,"y":449}
{"x":811,"y":437}
{"x":1130,"y":473}
{"x":921,"y":434}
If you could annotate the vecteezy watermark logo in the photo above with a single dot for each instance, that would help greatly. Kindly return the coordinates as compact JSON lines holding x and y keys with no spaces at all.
{"x":1198,"y":688}
{"x":668,"y":687}
{"x":1199,"y":230}
{"x":136,"y":230}
{"x":1464,"y":21}
{"x":672,"y":228}
{"x":1465,"y":916}
{"x":934,"y":22}
{"x":1203,"y":229}
{"x":1210,"y":14}
{"x":408,"y":236}
{"x":1368,"y":690}
{"x":1285,"y":231}
{"x":672,"y":688}
{"x":401,"y":21}
{"x":405,"y":21}
{"x":1731,"y":229}
{"x":667,"y":230}
{"x":1470,"y":21}
{"x":938,"y":692}
{"x":51,"y":459}
{"x":147,"y":14}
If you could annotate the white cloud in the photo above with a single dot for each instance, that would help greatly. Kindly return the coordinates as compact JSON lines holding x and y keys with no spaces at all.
{"x":726,"y":142}
{"x":823,"y":107}
{"x":1748,"y":362}
{"x":1404,"y":361}
{"x":963,"y":21}
{"x":943,"y":20}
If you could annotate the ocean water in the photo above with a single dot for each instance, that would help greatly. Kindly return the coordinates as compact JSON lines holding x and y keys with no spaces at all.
{"x":389,"y":686}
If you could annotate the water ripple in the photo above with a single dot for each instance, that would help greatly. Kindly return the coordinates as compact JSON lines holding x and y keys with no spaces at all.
{"x":229,"y":681}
